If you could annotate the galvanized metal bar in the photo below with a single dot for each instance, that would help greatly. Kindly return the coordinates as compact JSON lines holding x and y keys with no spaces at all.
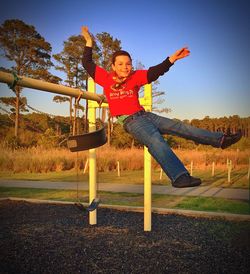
{"x":26,"y":82}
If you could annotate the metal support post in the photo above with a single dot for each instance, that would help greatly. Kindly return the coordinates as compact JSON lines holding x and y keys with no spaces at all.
{"x":92,"y":156}
{"x":147,"y":167}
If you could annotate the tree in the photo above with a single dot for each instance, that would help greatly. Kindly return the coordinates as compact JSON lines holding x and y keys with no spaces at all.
{"x":10,"y":102}
{"x":158,"y":99}
{"x":28,"y":51}
{"x":70,"y":60}
{"x":63,"y":99}
{"x":107,"y":46}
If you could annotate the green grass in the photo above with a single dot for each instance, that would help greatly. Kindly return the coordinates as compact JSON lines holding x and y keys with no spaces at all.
{"x":238,"y":177}
{"x":220,"y":179}
{"x":239,"y":180}
{"x":215,"y":205}
{"x":127,"y":177}
{"x":133,"y":199}
{"x":63,"y":176}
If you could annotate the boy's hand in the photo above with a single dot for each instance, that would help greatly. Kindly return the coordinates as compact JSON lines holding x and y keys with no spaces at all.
{"x":87,"y":36}
{"x":179,"y":54}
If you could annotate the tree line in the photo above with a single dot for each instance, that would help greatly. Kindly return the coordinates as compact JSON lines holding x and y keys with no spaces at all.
{"x":40,"y":129}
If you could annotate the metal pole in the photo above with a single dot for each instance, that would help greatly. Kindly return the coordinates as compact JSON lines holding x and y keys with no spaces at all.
{"x":161,"y":171}
{"x":229,"y":171}
{"x":191,"y":168}
{"x":92,"y":156}
{"x":118,"y":169}
{"x":213,"y":165}
{"x":48,"y":87}
{"x":248,"y":173}
{"x":147,"y":168}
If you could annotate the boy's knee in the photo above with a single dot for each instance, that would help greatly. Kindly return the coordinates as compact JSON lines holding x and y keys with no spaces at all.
{"x":157,"y":141}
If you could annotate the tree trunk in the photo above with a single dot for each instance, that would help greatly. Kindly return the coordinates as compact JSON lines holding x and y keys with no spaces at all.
{"x":78,"y":125}
{"x":109,"y":131}
{"x":104,"y":111}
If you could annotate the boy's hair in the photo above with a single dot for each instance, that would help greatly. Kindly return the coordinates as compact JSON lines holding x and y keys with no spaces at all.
{"x":118,"y":53}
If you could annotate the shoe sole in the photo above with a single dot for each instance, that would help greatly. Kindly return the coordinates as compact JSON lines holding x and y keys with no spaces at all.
{"x":189,"y":185}
{"x":233,"y":142}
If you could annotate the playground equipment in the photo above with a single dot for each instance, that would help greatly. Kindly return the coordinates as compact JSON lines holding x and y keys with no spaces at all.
{"x":75,"y":144}
{"x":87,"y":140}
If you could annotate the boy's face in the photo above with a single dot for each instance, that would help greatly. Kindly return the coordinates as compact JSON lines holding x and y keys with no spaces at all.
{"x":122,"y":66}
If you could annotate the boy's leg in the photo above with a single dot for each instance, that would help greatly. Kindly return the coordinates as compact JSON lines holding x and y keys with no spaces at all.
{"x":148,"y":134}
{"x":178,"y":128}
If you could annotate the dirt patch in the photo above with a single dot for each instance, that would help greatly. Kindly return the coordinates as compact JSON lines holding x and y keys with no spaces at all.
{"x":53,"y":238}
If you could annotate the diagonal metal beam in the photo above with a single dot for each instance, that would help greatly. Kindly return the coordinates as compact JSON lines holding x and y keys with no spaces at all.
{"x":26,"y":82}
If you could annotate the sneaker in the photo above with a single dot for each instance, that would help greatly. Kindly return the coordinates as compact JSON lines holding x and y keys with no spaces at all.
{"x":186,"y":180}
{"x":230,"y":139}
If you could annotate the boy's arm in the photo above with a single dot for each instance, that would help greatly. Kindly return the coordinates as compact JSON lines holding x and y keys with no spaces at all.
{"x":156,"y":71}
{"x":97,"y":73}
{"x":87,"y":60}
{"x":88,"y":63}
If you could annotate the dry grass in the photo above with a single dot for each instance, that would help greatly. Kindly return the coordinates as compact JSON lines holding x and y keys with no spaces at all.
{"x":38,"y":160}
{"x":205,"y":158}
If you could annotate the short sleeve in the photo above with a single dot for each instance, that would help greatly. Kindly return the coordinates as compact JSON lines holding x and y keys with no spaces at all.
{"x":141,"y":77}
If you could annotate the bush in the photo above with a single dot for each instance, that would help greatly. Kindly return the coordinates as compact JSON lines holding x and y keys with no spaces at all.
{"x":48,"y":139}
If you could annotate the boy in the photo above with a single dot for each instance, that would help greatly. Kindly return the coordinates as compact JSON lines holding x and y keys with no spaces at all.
{"x":121,"y":87}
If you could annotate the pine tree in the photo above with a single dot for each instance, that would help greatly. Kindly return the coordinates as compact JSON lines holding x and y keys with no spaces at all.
{"x":70,"y":62}
{"x":28,"y":52}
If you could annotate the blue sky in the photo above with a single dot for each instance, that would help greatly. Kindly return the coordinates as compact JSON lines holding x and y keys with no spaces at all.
{"x":213,"y":81}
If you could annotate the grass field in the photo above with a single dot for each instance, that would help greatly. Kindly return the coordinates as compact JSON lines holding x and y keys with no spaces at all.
{"x":129,"y":199}
{"x":133,"y":199}
{"x":60,"y":165}
{"x":220,"y":179}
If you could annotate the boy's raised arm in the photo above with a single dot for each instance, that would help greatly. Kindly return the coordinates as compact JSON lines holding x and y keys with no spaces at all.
{"x":87,"y":36}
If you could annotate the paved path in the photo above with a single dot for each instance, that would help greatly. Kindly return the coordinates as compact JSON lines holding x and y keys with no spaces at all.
{"x":205,"y":191}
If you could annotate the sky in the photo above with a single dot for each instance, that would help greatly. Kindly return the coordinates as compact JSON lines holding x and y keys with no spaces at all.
{"x":213,"y":81}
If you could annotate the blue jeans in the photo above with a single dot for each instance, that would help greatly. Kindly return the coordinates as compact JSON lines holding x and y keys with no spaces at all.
{"x":148,"y":128}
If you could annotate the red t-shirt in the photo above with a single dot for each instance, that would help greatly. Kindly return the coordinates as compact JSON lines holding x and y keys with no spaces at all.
{"x":125,"y":99}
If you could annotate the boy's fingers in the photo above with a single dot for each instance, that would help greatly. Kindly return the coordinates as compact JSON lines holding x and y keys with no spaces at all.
{"x":184,"y":51}
{"x":85,"y":29}
{"x":180,"y":51}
